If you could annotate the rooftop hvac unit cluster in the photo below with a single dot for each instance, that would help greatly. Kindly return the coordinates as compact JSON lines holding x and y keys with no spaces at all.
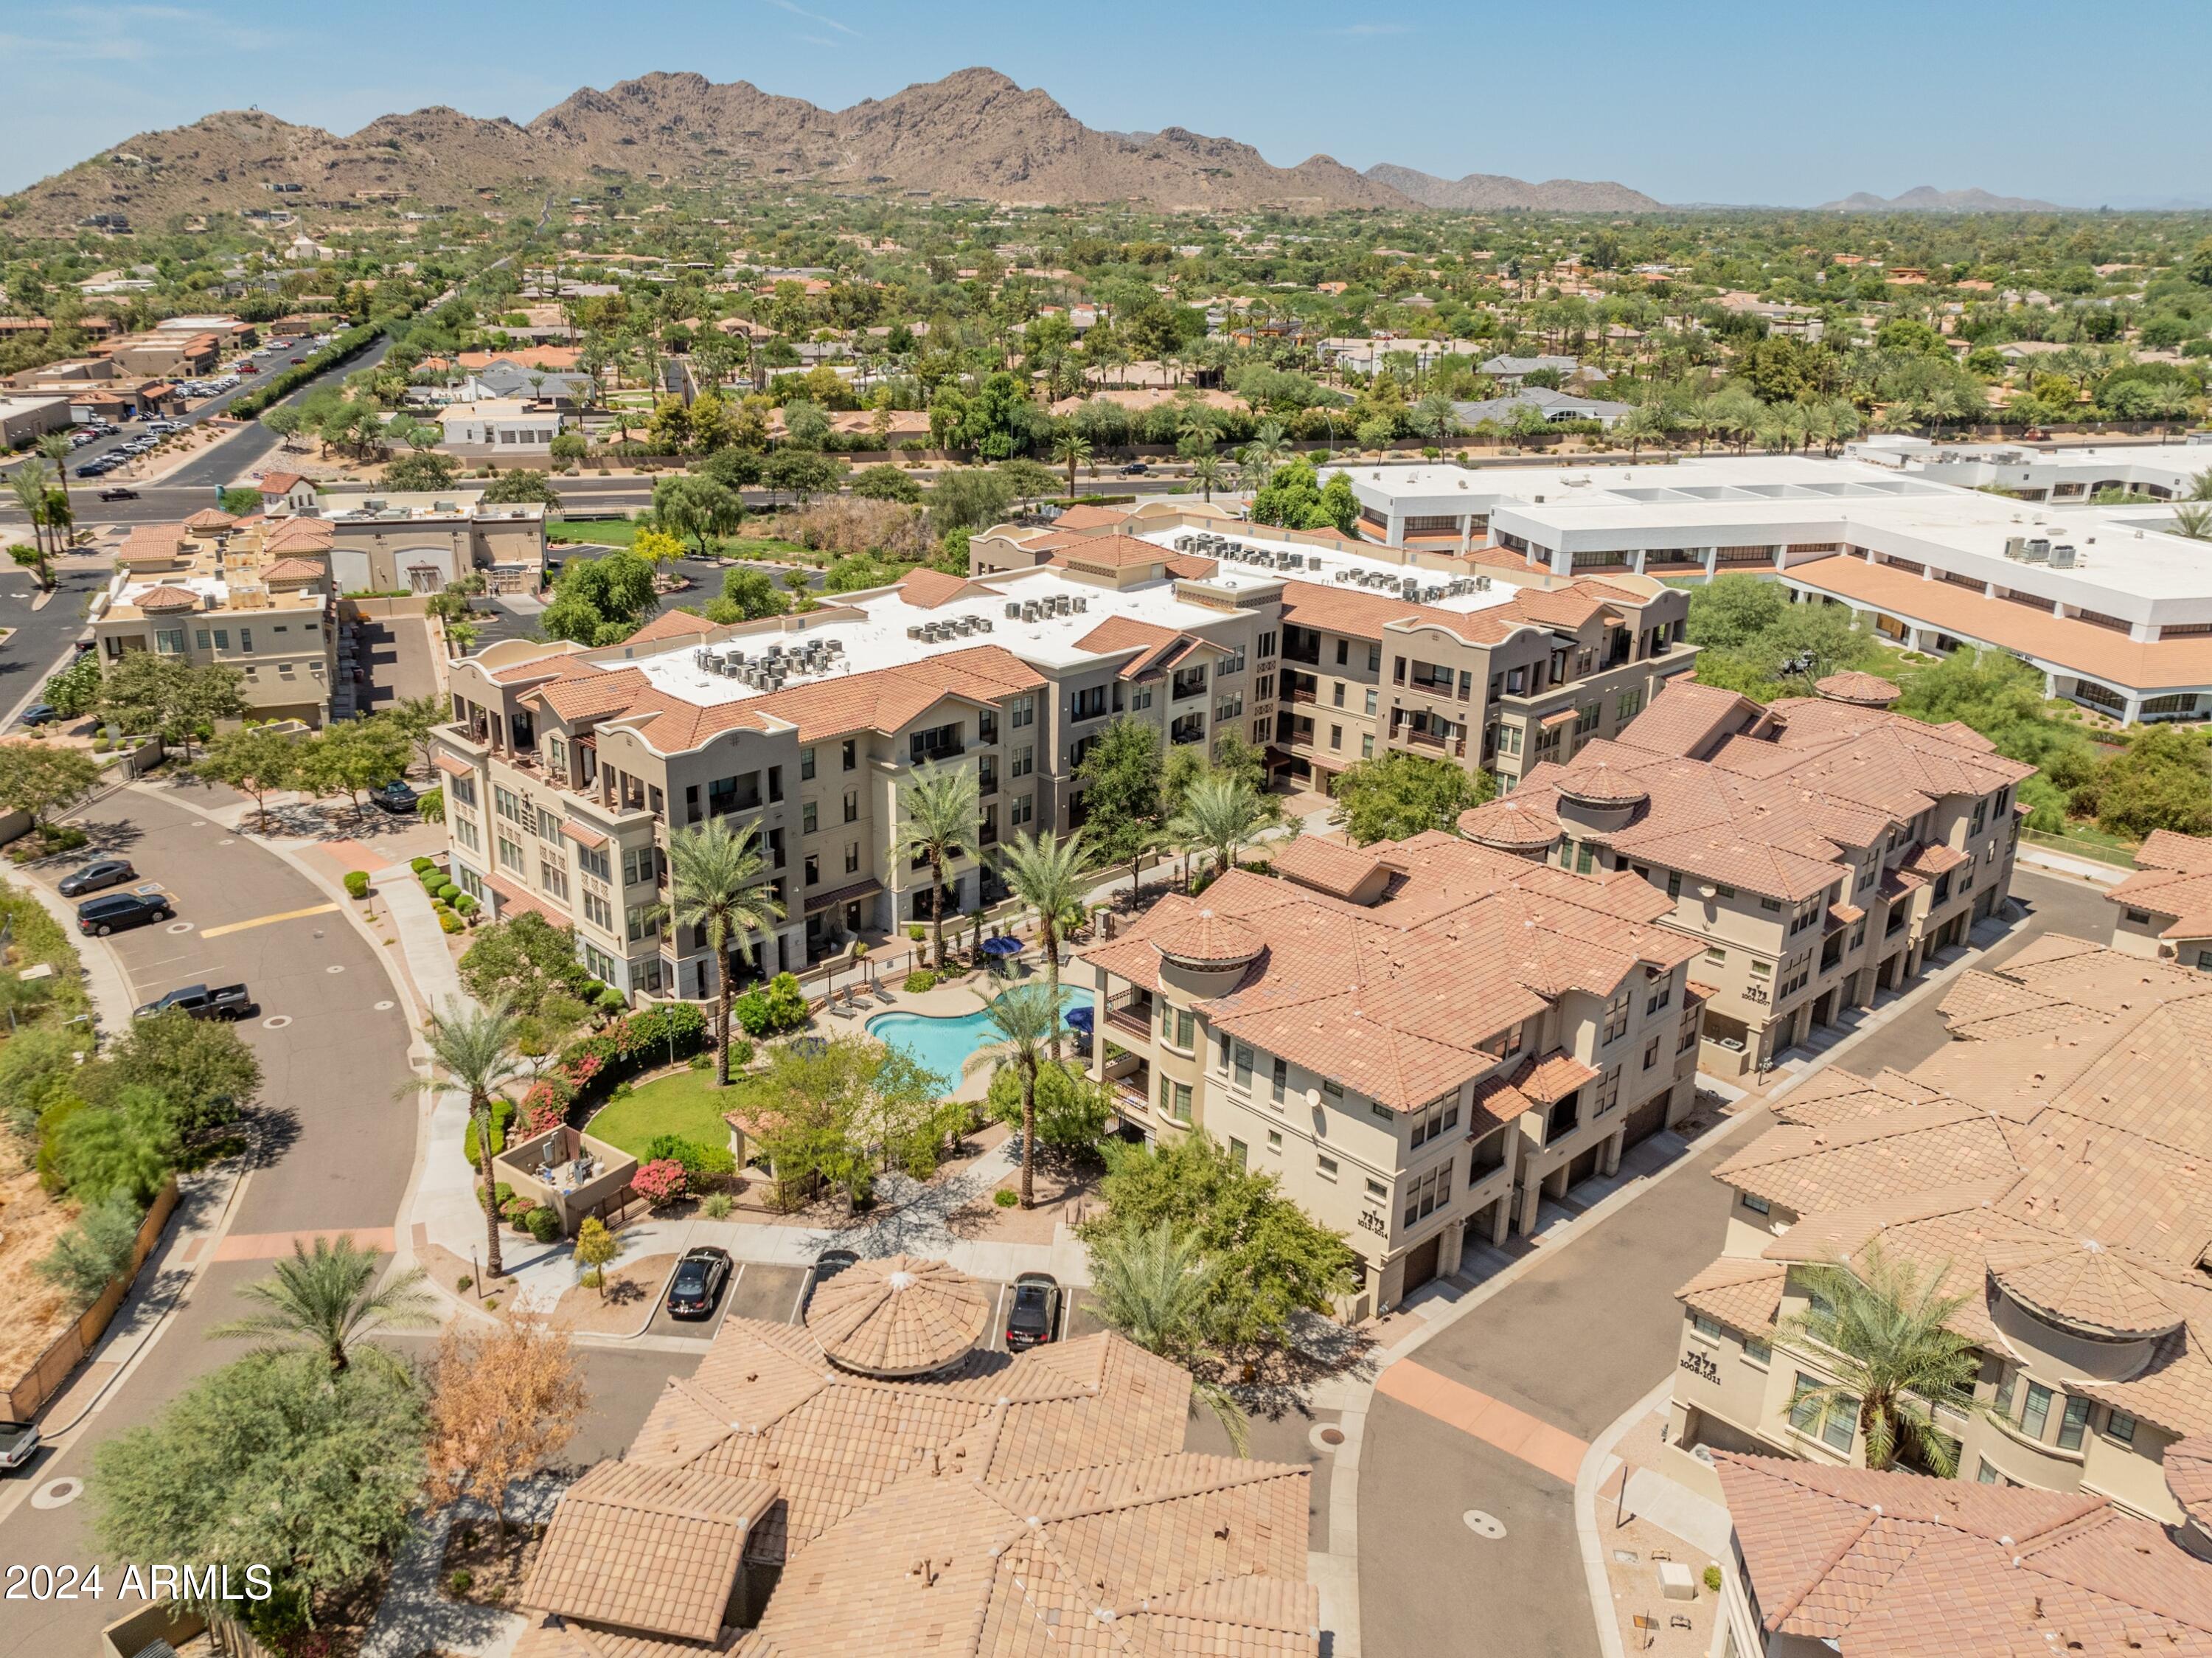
{"x":953,"y":627}
{"x":1041,"y":610}
{"x":1210,"y":546}
{"x":2038,"y":550}
{"x":775,"y":667}
{"x":1411,"y":586}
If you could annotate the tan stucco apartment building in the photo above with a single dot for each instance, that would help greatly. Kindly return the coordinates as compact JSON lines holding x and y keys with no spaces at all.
{"x":2049,"y":1163}
{"x":1419,"y":1039}
{"x":396,"y":541}
{"x":255,"y":595}
{"x":1818,"y":848}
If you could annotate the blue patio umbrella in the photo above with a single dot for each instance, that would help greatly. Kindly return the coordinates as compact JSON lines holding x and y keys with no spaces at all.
{"x":1005,"y":949}
{"x":1078,"y":1018}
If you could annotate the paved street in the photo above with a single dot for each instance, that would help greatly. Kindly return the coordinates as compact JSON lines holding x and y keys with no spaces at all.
{"x":41,"y":637}
{"x":336,"y":1150}
{"x":1565,"y":1350}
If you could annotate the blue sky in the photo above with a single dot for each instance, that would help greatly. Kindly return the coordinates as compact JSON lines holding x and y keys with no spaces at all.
{"x":1717,"y":101}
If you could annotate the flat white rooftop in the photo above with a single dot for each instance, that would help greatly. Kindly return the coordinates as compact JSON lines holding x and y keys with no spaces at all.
{"x":1325,"y":565}
{"x":1436,"y":490}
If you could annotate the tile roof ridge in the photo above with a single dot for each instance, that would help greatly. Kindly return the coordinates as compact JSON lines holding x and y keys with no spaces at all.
{"x":716,"y":1406}
{"x":1814,"y":1579}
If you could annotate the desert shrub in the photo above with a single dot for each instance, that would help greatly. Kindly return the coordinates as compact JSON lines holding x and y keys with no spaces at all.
{"x":465,"y":904}
{"x":717,"y":1206}
{"x":1006,"y":1197}
{"x":919,"y":980}
{"x":659,"y":1183}
{"x":544,"y":1225}
{"x":356,"y":883}
{"x":446,"y":893}
{"x":421,"y":866}
{"x":448,"y":921}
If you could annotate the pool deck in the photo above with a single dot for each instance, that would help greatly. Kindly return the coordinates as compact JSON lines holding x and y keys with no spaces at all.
{"x":965,"y":995}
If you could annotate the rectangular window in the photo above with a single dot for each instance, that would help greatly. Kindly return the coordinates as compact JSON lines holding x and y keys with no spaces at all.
{"x":1709,"y":1328}
{"x":1616,"y":1018}
{"x":1183,"y":1102}
{"x":851,"y":754}
{"x":644,"y":922}
{"x":1236,"y":1151}
{"x":245,"y":640}
{"x":1756,"y":1205}
{"x":1243,"y":1066}
{"x":810,"y":818}
{"x":638,"y":864}
{"x":1325,"y":1167}
{"x":1274,"y":1139}
{"x":852,"y":806}
{"x":852,"y":857}
{"x":2071,"y":1425}
{"x":1756,"y":1351}
{"x":1025,"y":761}
{"x":1651,"y":1053}
{"x":2121,"y":1426}
{"x":806,"y":764}
{"x":2035,"y":1415}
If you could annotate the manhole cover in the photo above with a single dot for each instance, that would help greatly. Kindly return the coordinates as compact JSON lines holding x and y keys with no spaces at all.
{"x":1484,"y":1525}
{"x":178,"y":927}
{"x":334,"y":968}
{"x":58,"y":1493}
{"x":1327,"y":1437}
{"x":386,"y":1007}
{"x":1332,"y":1436}
{"x":276,"y":1021}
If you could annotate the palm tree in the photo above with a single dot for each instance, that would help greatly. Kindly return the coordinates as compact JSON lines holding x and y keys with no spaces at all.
{"x":1882,"y":1329}
{"x":1026,"y":1018}
{"x":717,"y":880}
{"x":323,"y":1299}
{"x":1072,"y":446}
{"x":1266,"y":451}
{"x":56,"y":448}
{"x":1047,"y":875}
{"x":1220,"y":814}
{"x":938,"y":806}
{"x":477,"y":1051}
{"x":2200,"y":485}
{"x":29,"y":484}
{"x":1208,"y":473}
{"x":1155,"y":1288}
{"x":2193,"y":521}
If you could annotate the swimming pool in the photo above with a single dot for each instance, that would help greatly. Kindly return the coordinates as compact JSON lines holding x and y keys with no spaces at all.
{"x":944,"y":1041}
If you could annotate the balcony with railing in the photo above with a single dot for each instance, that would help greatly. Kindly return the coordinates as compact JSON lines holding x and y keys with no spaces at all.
{"x":1131,"y":1013}
{"x":1188,"y":682}
{"x":1189,"y":727}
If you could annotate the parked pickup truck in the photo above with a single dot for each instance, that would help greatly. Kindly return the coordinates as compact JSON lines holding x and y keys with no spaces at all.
{"x":205,"y":1002}
{"x":19,"y":1443}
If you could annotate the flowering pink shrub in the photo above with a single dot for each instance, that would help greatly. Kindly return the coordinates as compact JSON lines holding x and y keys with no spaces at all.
{"x":660,"y":1182}
{"x":545,"y":1106}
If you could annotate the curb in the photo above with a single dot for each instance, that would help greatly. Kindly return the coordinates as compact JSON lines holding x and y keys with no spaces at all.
{"x":1598,"y":1464}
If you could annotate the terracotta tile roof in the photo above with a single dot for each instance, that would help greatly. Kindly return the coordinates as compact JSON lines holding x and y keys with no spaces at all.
{"x":454,"y":766}
{"x":2172,"y":878}
{"x":169,"y":598}
{"x":889,"y":699}
{"x":1852,"y":686}
{"x":648,"y":1548}
{"x":1189,"y":567}
{"x":294,"y":569}
{"x":2188,"y":1465}
{"x":1835,"y":1096}
{"x":1743,"y":1294}
{"x":1327,"y":866}
{"x":1509,"y":824}
{"x":671,"y":625}
{"x":210,"y":518}
{"x":1109,"y":553}
{"x":1898,"y":1566}
{"x":555,"y":663}
{"x":902,"y":1316}
{"x":928,"y":588}
{"x":1553,"y":1077}
{"x":1500,"y":1101}
{"x":1089,"y":518}
{"x":1687,"y":717}
{"x":2077,"y":646}
{"x":595,"y":693}
{"x":1915,"y":1146}
{"x":279,"y":482}
{"x":1931,"y":860}
{"x":1359,"y":614}
{"x":1208,"y":940}
{"x":288,"y":532}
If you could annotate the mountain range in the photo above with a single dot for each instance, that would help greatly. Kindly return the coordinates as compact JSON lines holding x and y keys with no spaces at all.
{"x":1926,"y":198}
{"x":974,"y":134}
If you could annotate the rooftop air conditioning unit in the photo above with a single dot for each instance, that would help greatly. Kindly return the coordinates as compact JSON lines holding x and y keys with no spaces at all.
{"x":983,"y":623}
{"x":2062,"y":557}
{"x":1482,"y":584}
{"x":2036,"y":551}
{"x":1013,"y":609}
{"x":1029,"y":610}
{"x":2016,"y":546}
{"x":913,"y":631}
{"x":835,"y":647}
{"x":1083,"y":606}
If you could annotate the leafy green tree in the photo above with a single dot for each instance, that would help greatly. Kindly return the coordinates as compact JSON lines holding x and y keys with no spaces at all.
{"x":595,"y":1250}
{"x":269,"y":1462}
{"x":75,"y":690}
{"x":242,"y":501}
{"x":1158,"y":1287}
{"x":693,"y":505}
{"x":522,"y":962}
{"x":351,"y":756}
{"x":255,"y":759}
{"x":522,"y":487}
{"x":747,"y":596}
{"x":801,"y":474}
{"x":936,"y":821}
{"x":600,"y":602}
{"x":147,"y":691}
{"x":423,"y":470}
{"x":717,"y":880}
{"x":95,"y":1249}
{"x":1069,"y":1109}
{"x":1883,"y":1329}
{"x":1294,"y":498}
{"x":1028,"y":480}
{"x":886,"y":482}
{"x":1396,"y":795}
{"x":1275,"y":1261}
{"x":826,"y":1111}
{"x":476,"y":1049}
{"x":202,"y":1070}
{"x":732,"y":467}
{"x":126,"y":1149}
{"x":39,"y":779}
{"x":1121,"y":779}
{"x":2001,"y":697}
{"x":967,"y":498}
{"x":327,"y":1300}
{"x":1023,"y":1022}
{"x":2159,"y":781}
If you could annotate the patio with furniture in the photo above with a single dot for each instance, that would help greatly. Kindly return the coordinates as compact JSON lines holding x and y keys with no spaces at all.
{"x":568,"y":1171}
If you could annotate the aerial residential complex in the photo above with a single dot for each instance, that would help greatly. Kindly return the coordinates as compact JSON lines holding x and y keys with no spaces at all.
{"x":1937,"y":547}
{"x":569,"y":764}
{"x":2046,"y":1162}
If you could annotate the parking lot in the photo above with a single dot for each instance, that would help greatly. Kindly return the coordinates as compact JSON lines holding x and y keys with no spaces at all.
{"x":777,"y":1295}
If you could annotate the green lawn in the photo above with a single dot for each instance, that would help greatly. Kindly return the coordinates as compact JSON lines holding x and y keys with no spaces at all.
{"x":607,"y":532}
{"x":623,"y":532}
{"x":687,"y":1103}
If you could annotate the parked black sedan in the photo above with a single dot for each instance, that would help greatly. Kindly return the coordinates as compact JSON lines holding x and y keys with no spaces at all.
{"x":1033,"y":1315}
{"x":396,"y":797}
{"x":97,"y":876}
{"x":39,"y":713}
{"x":698,"y":1284}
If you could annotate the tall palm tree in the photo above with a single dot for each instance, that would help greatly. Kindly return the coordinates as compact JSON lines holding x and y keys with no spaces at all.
{"x":1220,"y":814}
{"x":1207,"y":472}
{"x":1268,"y":450}
{"x":29,"y":481}
{"x":1026,"y":1019}
{"x":56,"y":449}
{"x":1157,"y":1287}
{"x":2194,"y":521}
{"x":1882,"y":1329}
{"x":323,"y":1298}
{"x":476,"y":1048}
{"x":1072,"y":446}
{"x":2200,"y":485}
{"x":1047,"y":875}
{"x":718,"y":880}
{"x":938,"y":806}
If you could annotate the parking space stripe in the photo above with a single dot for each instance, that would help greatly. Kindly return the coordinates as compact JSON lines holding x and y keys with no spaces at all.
{"x":263,"y":921}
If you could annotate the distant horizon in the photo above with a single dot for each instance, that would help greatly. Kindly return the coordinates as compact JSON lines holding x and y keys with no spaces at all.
{"x":1696,"y":116}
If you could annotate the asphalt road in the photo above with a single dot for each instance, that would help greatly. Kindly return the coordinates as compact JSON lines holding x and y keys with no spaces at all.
{"x":41,"y":640}
{"x":336,"y":1146}
{"x":1576,"y":1341}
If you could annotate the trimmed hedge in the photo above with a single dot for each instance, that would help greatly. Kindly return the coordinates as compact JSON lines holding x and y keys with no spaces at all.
{"x":502,"y":1113}
{"x":591,"y":1068}
{"x":356,"y":883}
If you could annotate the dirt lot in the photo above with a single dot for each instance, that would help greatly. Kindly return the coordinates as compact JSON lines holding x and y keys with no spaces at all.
{"x":31,"y":1312}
